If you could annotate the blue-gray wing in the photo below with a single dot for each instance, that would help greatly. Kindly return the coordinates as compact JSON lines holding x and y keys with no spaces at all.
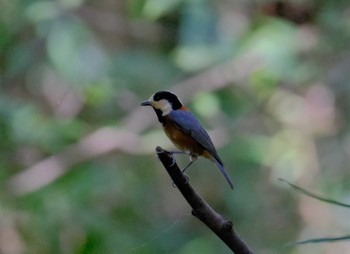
{"x":189,"y":124}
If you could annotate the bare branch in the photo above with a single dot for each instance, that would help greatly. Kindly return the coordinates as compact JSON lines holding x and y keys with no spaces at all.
{"x":222,"y":228}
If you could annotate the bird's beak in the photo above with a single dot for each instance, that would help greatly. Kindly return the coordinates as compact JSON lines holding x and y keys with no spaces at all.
{"x":146,"y":103}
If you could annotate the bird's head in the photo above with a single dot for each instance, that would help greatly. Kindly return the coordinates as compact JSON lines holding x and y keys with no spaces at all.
{"x":163,"y":102}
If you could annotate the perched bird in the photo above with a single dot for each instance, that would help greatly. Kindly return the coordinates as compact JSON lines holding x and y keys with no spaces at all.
{"x":184,"y":130}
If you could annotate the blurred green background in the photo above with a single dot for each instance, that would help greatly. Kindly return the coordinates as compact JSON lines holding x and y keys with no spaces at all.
{"x":269,"y":80}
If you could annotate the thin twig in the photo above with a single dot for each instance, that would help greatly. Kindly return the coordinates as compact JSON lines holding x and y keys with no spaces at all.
{"x":315,"y":196}
{"x":222,"y":228}
{"x":325,"y":240}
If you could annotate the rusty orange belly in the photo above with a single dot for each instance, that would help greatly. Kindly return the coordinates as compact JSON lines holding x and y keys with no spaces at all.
{"x":182,"y":141}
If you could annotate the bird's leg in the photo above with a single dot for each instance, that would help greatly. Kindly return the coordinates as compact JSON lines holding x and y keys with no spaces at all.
{"x":193,"y":158}
{"x":177,"y":152}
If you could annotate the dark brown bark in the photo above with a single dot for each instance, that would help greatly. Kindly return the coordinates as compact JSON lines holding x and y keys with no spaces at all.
{"x":200,"y":208}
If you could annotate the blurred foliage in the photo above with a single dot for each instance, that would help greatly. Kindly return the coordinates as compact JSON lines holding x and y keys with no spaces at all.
{"x":269,"y":79}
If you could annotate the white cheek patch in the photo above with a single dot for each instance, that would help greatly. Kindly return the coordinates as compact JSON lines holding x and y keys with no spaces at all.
{"x":167,"y":109}
{"x":162,"y":105}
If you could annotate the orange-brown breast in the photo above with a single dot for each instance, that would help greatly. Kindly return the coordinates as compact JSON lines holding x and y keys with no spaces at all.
{"x":181,"y":140}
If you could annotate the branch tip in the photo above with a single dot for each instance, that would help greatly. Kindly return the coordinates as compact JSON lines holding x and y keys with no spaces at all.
{"x":168,"y":157}
{"x":159,"y":150}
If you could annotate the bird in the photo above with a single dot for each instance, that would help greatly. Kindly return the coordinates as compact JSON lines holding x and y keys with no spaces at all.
{"x":184,"y":130}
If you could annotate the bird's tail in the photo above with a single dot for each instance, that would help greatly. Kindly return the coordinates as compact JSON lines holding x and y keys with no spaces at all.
{"x":224,"y":172}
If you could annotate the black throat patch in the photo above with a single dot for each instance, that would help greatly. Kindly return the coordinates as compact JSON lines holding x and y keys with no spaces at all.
{"x":160,"y":116}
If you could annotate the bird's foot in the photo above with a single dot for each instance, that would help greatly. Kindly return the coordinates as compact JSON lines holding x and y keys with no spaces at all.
{"x":187,"y":179}
{"x":173,"y":162}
